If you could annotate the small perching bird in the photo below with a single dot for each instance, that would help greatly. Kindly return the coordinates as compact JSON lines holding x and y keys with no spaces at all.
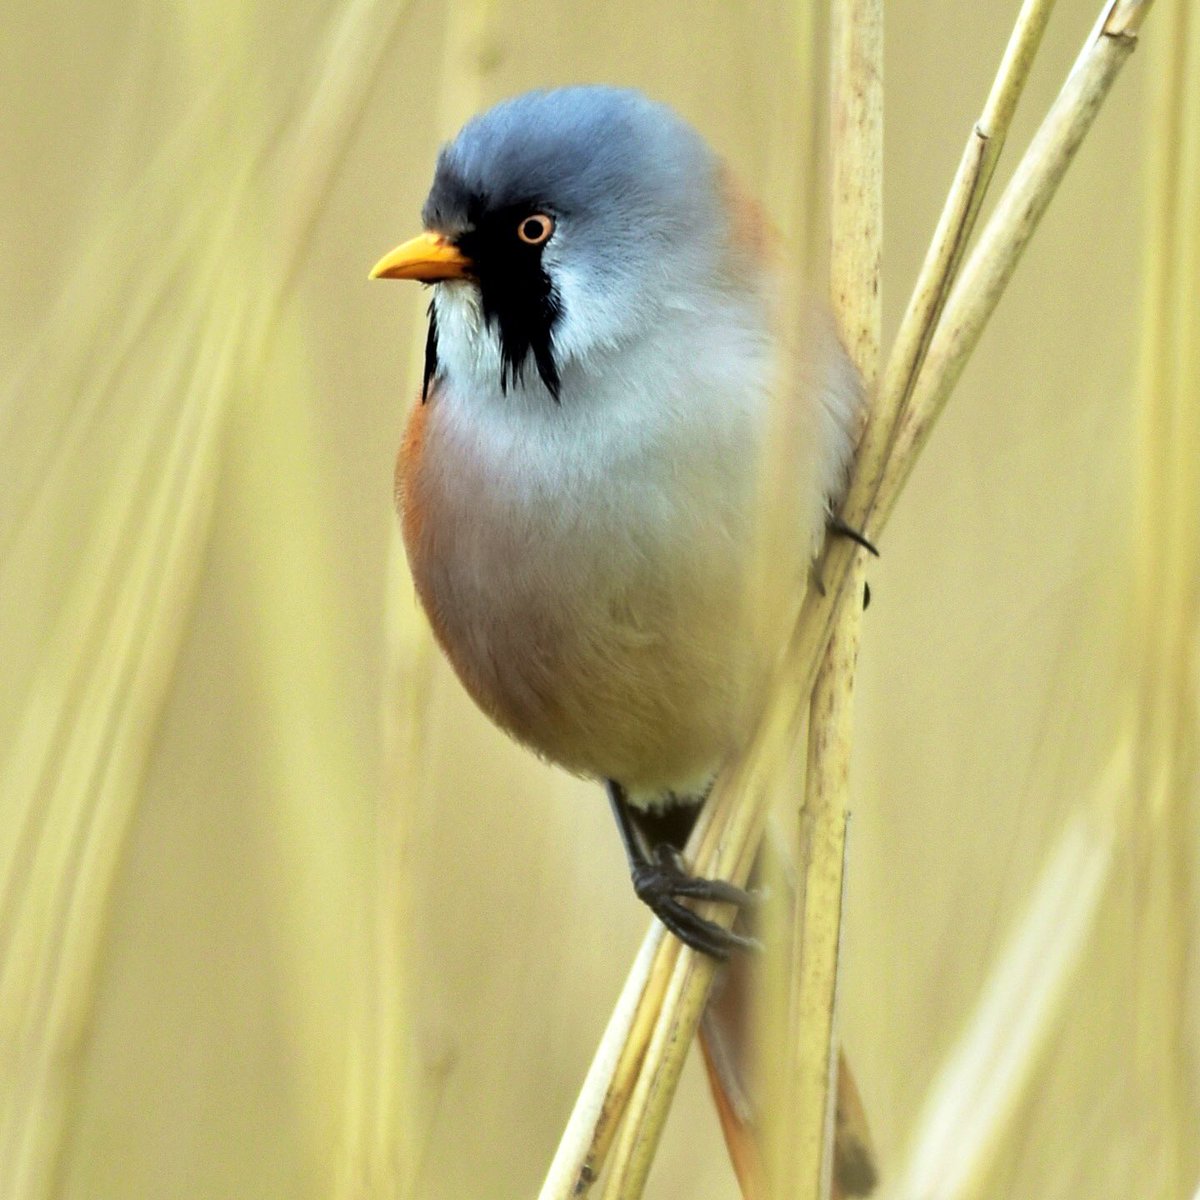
{"x":578,"y":485}
{"x":579,"y":482}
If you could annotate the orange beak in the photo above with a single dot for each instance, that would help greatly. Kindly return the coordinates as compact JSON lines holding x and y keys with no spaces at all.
{"x":428,"y":257}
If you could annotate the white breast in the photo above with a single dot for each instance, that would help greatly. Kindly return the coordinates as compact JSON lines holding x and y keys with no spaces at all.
{"x":584,"y":562}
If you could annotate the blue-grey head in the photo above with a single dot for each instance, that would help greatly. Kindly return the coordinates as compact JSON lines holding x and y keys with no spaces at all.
{"x":561,"y":223}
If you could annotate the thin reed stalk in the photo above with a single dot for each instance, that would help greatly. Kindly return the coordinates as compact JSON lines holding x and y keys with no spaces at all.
{"x":806,"y":1120}
{"x":723,"y":842}
{"x":960,"y":210}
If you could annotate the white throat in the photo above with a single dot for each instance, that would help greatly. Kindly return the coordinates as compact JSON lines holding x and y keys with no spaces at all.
{"x":718,"y":350}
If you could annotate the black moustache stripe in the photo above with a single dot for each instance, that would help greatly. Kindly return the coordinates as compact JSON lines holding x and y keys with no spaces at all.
{"x":524,"y":308}
{"x":517,"y":296}
{"x":519,"y":338}
{"x":431,"y":352}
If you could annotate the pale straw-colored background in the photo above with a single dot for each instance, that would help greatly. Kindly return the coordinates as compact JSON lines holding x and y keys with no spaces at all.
{"x":280,"y":914}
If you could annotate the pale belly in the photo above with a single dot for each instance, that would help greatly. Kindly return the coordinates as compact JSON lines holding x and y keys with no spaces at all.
{"x":599,"y":620}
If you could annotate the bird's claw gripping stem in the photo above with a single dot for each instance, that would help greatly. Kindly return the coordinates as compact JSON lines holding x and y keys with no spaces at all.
{"x":661,"y":884}
{"x":661,"y":880}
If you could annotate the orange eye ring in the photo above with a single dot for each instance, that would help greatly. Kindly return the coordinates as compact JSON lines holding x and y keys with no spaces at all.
{"x":535,"y":229}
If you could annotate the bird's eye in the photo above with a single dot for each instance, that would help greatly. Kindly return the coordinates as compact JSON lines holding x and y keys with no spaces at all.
{"x":536,"y":229}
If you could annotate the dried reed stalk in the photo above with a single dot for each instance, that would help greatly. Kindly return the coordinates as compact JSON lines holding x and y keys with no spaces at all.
{"x":821,"y":848}
{"x":1004,"y":238}
{"x":957,"y":220}
{"x":803,"y":1130}
{"x":724,"y":841}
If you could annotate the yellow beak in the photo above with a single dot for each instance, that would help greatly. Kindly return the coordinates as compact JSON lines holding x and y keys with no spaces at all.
{"x":429,"y":258}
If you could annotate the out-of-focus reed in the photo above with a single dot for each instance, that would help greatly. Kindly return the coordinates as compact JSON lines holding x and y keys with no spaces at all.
{"x":136,"y":403}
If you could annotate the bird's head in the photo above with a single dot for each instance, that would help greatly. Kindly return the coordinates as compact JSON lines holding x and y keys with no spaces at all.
{"x":561,"y":224}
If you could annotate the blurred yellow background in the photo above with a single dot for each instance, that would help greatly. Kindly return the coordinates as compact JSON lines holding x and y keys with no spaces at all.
{"x":281,"y":915}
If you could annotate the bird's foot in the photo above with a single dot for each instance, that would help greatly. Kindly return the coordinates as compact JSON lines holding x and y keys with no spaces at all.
{"x":838,"y":526}
{"x":660,"y":885}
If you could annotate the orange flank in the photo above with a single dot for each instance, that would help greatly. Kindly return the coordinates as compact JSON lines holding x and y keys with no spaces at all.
{"x":752,"y":235}
{"x":409,"y":504}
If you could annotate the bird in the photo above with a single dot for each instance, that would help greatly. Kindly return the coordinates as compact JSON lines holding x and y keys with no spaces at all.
{"x":578,"y":480}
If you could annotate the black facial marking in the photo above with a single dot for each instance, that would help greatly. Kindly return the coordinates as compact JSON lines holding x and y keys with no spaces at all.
{"x":518,"y":297}
{"x":431,"y":353}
